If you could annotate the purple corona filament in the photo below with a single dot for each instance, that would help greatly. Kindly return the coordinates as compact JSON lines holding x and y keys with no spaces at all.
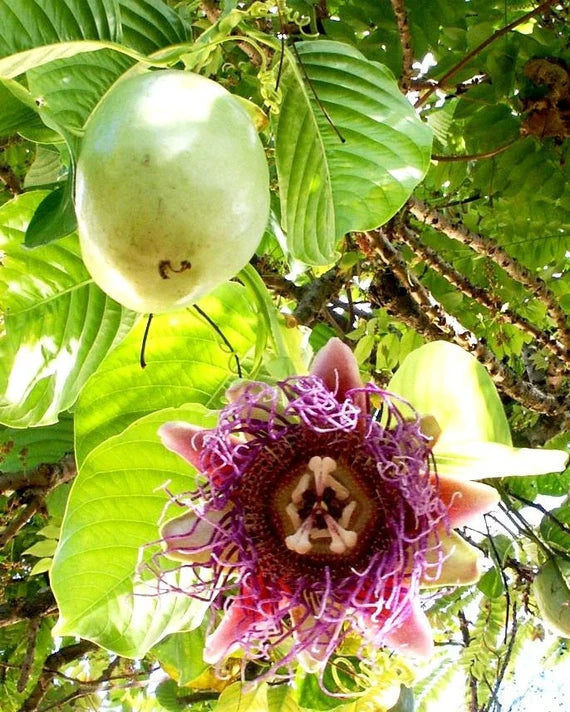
{"x":317,"y":520}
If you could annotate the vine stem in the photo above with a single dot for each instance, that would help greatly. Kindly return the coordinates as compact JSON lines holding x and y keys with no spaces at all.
{"x":21,"y":609}
{"x":10,"y":180}
{"x":223,"y":337}
{"x":486,"y":299}
{"x":22,"y":518}
{"x":213,"y":14}
{"x":469,"y":56}
{"x":474,"y":156}
{"x":522,"y":392}
{"x":44,"y":476}
{"x":488,"y":248}
{"x":466,"y":637}
{"x":406,"y":41}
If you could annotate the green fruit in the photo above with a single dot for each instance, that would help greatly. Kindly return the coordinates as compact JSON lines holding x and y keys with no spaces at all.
{"x":172,"y":190}
{"x":553,"y":597}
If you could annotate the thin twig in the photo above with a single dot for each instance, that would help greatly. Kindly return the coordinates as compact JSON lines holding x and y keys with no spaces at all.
{"x":495,"y":36}
{"x":474,"y":156}
{"x":213,"y":12}
{"x":536,"y":505}
{"x":453,"y":89}
{"x":44,"y":476}
{"x":485,"y":298}
{"x":499,"y":566}
{"x":525,"y":393}
{"x":504,"y":664}
{"x":406,"y":41}
{"x":20,"y":520}
{"x":466,"y":636}
{"x":485,"y":246}
{"x":524,"y":527}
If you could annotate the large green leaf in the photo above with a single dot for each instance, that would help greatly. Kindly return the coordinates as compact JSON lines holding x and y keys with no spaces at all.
{"x":186,"y":363}
{"x":150,"y":24}
{"x":141,"y":24}
{"x":235,"y":697}
{"x":327,"y":186}
{"x":58,"y":324}
{"x":239,"y":697}
{"x":55,"y":44}
{"x":69,"y":88}
{"x":54,"y":218}
{"x":48,"y":168}
{"x":33,"y":35}
{"x":29,"y":23}
{"x":110,"y":529}
{"x":13,"y":113}
{"x":181,"y":655}
{"x":16,"y":64}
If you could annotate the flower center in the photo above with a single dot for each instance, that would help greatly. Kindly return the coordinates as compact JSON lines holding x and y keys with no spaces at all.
{"x":320,"y":508}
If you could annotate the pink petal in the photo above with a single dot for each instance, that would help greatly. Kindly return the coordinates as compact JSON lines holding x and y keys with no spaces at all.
{"x":466,"y":500}
{"x":336,"y":365}
{"x":413,"y":636}
{"x":190,"y":537}
{"x":460,"y":565}
{"x":242,"y":615}
{"x":184,"y":439}
{"x":188,"y":441}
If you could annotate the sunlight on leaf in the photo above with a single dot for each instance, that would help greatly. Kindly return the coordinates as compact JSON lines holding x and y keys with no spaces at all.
{"x":58,"y":324}
{"x":442,"y":380}
{"x":187,"y":362}
{"x":329,"y":186}
{"x":110,"y":527}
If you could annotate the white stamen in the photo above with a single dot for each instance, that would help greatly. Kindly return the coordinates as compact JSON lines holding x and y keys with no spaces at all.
{"x":320,"y":534}
{"x":322,"y":467}
{"x":291,"y":510}
{"x":340,"y":490}
{"x":347,"y":513}
{"x":299,"y":541}
{"x":342,"y":539}
{"x":301,"y":488}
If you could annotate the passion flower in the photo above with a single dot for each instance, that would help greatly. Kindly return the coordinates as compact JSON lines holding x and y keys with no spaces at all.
{"x":172,"y":190}
{"x":322,"y":513}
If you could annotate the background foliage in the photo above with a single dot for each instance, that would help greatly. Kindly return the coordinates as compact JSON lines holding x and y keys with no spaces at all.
{"x":465,"y":238}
